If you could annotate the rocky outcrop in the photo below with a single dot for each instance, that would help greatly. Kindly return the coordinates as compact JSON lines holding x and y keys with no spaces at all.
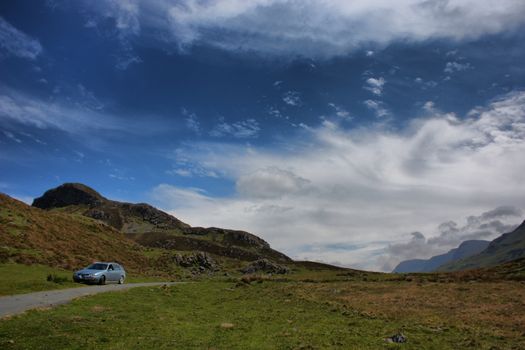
{"x":265,"y":265}
{"x":198,"y":261}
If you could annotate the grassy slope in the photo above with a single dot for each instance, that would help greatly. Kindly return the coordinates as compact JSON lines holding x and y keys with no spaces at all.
{"x":31,"y":235}
{"x":285,"y":315}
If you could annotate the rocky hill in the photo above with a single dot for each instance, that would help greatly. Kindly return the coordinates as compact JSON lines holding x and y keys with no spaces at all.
{"x":151,"y":227}
{"x":465,"y":249}
{"x":507,"y":247}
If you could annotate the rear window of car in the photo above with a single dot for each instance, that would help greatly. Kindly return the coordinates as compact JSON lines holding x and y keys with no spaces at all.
{"x":97,"y":266}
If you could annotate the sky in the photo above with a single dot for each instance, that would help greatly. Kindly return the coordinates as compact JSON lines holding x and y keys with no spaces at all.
{"x":358,"y":133}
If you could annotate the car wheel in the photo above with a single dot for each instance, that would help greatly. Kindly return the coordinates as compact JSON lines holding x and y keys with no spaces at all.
{"x":121,"y":280}
{"x":102,"y":280}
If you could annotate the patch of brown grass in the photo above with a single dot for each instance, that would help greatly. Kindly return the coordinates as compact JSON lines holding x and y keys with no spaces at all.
{"x":497,"y":307}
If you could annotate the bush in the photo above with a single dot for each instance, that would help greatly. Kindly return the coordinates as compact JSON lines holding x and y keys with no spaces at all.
{"x":56,"y":279}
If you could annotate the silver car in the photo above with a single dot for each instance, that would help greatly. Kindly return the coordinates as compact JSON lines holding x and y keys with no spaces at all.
{"x":101,"y":273}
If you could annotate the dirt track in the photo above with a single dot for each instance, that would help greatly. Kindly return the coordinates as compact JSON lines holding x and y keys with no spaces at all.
{"x":15,"y":304}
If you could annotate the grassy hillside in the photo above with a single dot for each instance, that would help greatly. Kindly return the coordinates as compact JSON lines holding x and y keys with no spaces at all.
{"x":509,"y":246}
{"x":33,"y":236}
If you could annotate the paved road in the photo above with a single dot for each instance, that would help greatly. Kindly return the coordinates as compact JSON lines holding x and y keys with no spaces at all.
{"x":15,"y":304}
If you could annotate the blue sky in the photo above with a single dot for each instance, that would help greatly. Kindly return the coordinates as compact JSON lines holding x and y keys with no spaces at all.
{"x":342,"y":132}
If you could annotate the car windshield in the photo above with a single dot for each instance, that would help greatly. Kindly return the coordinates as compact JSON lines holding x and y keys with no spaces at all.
{"x":97,"y":266}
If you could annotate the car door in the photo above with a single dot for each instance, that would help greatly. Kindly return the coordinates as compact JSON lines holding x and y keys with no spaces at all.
{"x":112,"y":274}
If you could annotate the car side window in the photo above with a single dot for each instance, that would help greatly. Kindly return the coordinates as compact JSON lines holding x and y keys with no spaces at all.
{"x":110,"y":268}
{"x":117,"y":267}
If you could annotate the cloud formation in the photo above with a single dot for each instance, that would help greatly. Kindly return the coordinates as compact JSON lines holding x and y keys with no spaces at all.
{"x":452,"y":67}
{"x":375,"y":85}
{"x":367,"y":187}
{"x":292,"y":98}
{"x":17,"y":43}
{"x":310,"y":27}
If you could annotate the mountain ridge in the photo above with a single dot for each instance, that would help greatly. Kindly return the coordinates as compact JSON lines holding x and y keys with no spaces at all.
{"x":464,"y":250}
{"x":138,"y":221}
{"x":507,"y":247}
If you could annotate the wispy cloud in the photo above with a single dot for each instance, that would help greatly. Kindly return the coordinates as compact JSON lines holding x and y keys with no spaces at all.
{"x":125,"y":15}
{"x":11,"y":136}
{"x":378,"y":107}
{"x":309,"y":28}
{"x":17,"y":43}
{"x":381,"y":184}
{"x":192,"y":122}
{"x":79,"y":112}
{"x":248,"y":128}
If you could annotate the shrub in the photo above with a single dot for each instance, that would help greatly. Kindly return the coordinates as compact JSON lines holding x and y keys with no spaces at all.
{"x":56,"y":279}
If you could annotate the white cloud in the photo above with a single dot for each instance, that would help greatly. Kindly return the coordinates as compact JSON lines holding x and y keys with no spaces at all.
{"x":340,"y":111}
{"x":364,"y":187}
{"x":374,"y":85}
{"x":314,"y":28}
{"x":292,"y":98}
{"x":270,"y":182}
{"x":378,"y":107}
{"x":429,"y":106}
{"x":248,"y":128}
{"x":18,"y":43}
{"x":452,"y":67}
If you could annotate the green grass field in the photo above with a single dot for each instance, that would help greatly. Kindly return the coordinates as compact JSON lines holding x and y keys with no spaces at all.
{"x":18,"y":278}
{"x":278,"y":315}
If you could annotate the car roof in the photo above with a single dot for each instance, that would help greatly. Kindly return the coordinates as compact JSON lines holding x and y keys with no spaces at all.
{"x":105,"y":262}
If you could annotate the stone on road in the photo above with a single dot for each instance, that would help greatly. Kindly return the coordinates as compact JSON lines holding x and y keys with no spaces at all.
{"x":15,"y":304}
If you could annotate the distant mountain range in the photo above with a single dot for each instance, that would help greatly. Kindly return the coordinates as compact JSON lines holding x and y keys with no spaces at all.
{"x":465,"y":249}
{"x":507,"y":247}
{"x":472,"y":254}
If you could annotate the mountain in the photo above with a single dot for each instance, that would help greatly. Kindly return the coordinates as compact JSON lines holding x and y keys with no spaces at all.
{"x":465,"y":249}
{"x":507,"y":247}
{"x":152,"y":227}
